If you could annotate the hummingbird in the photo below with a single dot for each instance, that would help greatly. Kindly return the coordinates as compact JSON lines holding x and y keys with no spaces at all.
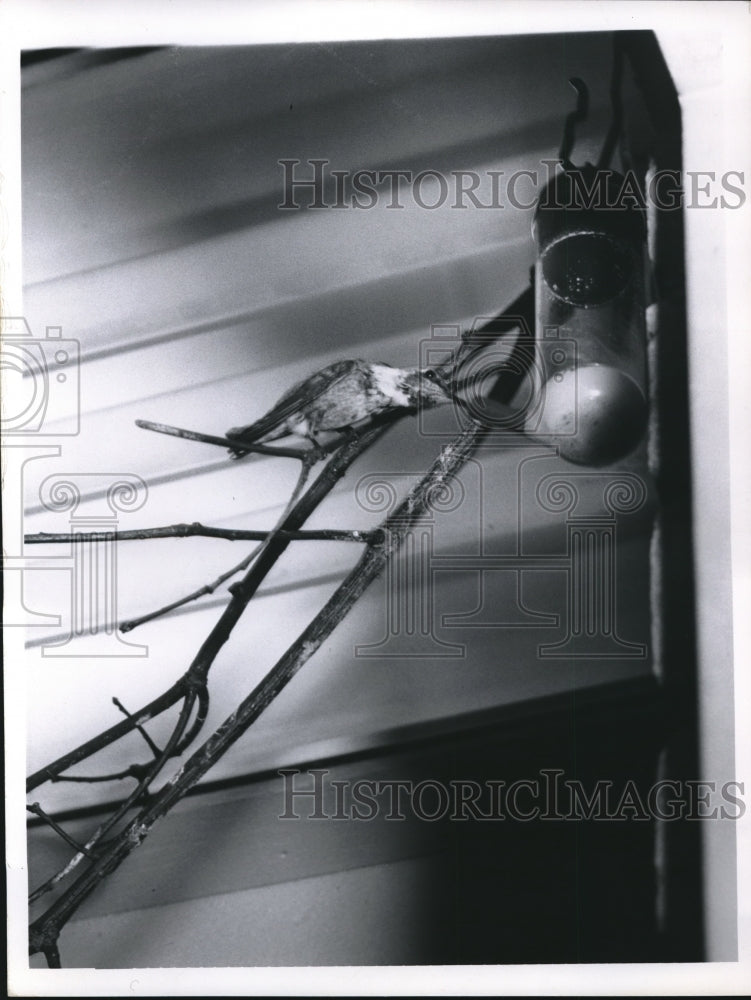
{"x":343,"y":395}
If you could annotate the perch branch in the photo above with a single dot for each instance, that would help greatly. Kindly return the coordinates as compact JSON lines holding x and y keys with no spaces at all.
{"x":196,"y":528}
{"x":255,"y":449}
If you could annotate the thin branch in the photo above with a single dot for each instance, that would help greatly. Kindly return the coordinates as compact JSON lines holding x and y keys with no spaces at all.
{"x":515,"y":317}
{"x":136,"y":771}
{"x":196,"y":528}
{"x":37,"y":810}
{"x":305,"y":470}
{"x":202,"y":701}
{"x":256,"y":449}
{"x":209,"y":588}
{"x":148,"y":740}
{"x":160,"y":704}
{"x":145,"y":773}
{"x":148,"y":773}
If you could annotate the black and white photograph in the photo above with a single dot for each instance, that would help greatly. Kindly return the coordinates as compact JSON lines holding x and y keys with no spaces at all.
{"x":375,"y":384}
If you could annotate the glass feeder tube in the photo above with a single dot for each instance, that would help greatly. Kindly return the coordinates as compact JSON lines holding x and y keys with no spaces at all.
{"x":589,"y":393}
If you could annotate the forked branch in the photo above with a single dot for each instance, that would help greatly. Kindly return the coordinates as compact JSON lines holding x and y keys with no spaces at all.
{"x":44,"y":931}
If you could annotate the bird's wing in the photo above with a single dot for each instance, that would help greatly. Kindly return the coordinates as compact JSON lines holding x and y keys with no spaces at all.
{"x":300,"y":396}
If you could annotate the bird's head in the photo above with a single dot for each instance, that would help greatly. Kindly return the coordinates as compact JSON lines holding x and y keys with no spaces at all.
{"x":426,"y":387}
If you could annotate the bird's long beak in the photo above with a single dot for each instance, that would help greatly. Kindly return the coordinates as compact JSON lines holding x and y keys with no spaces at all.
{"x":436,"y":386}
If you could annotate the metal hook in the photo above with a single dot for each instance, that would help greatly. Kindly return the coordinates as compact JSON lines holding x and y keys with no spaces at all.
{"x":579,"y":114}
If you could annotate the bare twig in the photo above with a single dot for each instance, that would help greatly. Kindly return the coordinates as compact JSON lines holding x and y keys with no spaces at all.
{"x":136,"y":771}
{"x":305,"y":470}
{"x":37,"y":810}
{"x":145,"y":774}
{"x":152,"y":710}
{"x":256,"y":449}
{"x":147,"y":739}
{"x":208,"y":588}
{"x":196,"y":528}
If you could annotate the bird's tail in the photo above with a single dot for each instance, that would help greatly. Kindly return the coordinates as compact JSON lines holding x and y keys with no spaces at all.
{"x":255,"y":433}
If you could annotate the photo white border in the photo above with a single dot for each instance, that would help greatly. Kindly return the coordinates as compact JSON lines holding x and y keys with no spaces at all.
{"x":62,"y":23}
